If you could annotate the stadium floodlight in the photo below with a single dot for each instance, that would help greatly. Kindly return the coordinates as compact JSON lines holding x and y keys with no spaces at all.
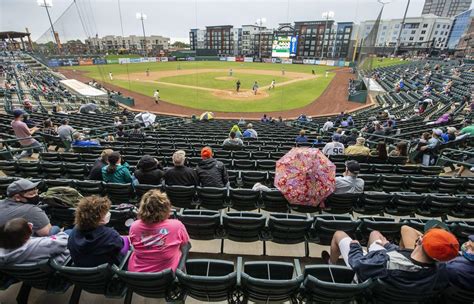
{"x":260,"y":22}
{"x":142,"y":17}
{"x":326,"y":15}
{"x":46,"y":4}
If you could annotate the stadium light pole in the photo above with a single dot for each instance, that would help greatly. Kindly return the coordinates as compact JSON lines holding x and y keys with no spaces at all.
{"x":46,"y":4}
{"x":397,"y":46}
{"x":260,"y":22}
{"x":326,"y":15}
{"x":142,"y":17}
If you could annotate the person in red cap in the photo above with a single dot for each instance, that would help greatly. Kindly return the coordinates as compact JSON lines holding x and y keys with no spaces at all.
{"x":211,"y":172}
{"x":405,"y":269}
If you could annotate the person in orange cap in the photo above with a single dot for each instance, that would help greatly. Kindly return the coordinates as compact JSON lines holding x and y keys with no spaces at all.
{"x":211,"y":172}
{"x":414,"y":269}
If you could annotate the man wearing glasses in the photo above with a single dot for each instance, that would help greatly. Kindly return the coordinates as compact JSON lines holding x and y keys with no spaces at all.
{"x":21,"y":201}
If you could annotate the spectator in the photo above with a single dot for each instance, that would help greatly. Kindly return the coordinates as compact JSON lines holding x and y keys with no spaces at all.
{"x":232,"y":141}
{"x":65,"y":132}
{"x":327,"y":125}
{"x":318,"y":140}
{"x":49,"y":128}
{"x":120,"y":133}
{"x":400,"y":150}
{"x":444,"y":119}
{"x":117,"y":121}
{"x":264,"y":118}
{"x":349,"y":182}
{"x":22,"y":131}
{"x":468,"y":130}
{"x":461,"y":269}
{"x":136,"y":132}
{"x":351,"y":138}
{"x":91,"y":243}
{"x":115,"y":172}
{"x":350,"y":120}
{"x":334,"y":147}
{"x":211,"y":172}
{"x":27,"y":106}
{"x":344,"y":123}
{"x":250,"y":132}
{"x":413,"y":270}
{"x":236,"y":130}
{"x":60,"y":110}
{"x":380,"y":152}
{"x":449,"y":135}
{"x":302,"y":137}
{"x":96,"y":171}
{"x":149,"y":171}
{"x":79,"y":141}
{"x":377,"y":131}
{"x":158,"y":242}
{"x":434,"y":141}
{"x":21,"y":201}
{"x":388,"y":130}
{"x":359,"y":148}
{"x":180,"y":175}
{"x":17,"y":246}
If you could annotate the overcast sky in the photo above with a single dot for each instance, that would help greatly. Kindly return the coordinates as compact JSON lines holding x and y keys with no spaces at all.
{"x":174,"y":18}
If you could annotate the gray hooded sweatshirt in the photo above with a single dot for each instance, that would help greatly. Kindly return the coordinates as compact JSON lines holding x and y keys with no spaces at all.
{"x":37,"y":249}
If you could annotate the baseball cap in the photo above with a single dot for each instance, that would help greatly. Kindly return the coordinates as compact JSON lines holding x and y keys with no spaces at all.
{"x":353,"y":166}
{"x":437,"y":131}
{"x":18,"y":113}
{"x":435,"y":224}
{"x":440,"y":245}
{"x":206,"y":153}
{"x":336,"y":137}
{"x":19,"y":186}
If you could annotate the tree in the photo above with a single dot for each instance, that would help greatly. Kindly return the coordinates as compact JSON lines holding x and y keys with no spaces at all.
{"x":180,"y":45}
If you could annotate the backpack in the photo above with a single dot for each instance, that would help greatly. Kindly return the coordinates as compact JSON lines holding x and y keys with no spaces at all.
{"x":61,"y":197}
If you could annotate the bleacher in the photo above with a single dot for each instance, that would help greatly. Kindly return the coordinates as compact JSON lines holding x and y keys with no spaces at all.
{"x":396,"y":193}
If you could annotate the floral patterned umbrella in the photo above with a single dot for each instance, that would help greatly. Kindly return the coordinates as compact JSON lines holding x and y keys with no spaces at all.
{"x":305,"y":176}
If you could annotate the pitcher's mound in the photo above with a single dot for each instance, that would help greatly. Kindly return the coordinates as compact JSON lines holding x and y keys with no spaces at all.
{"x":243,"y":94}
{"x":226,"y":78}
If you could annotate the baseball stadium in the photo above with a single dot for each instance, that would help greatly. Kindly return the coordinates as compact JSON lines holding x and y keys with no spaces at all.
{"x":204,"y":151}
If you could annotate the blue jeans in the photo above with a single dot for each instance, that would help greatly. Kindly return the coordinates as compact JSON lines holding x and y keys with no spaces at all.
{"x":54,"y":230}
{"x":34,"y":147}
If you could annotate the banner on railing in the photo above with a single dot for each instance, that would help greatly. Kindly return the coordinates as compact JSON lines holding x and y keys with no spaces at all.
{"x":248,"y":59}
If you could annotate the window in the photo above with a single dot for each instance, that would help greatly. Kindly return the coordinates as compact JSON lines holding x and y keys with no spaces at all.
{"x":411,"y":38}
{"x":423,"y":32}
{"x":425,"y":25}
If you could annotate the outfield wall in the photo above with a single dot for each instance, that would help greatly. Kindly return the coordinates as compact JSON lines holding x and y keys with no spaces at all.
{"x":58,"y":62}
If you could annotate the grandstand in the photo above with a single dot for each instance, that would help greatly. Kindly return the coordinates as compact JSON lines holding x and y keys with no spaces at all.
{"x":223,"y":223}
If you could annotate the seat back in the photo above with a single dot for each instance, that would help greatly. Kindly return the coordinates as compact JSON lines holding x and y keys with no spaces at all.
{"x":274,"y":201}
{"x":289,"y":228}
{"x":326,"y":225}
{"x":342,"y":203}
{"x":243,"y":226}
{"x":244,"y":199}
{"x":212,"y":198}
{"x":200,"y":224}
{"x":208,"y":280}
{"x":148,"y":284}
{"x":119,"y":193}
{"x":181,"y":196}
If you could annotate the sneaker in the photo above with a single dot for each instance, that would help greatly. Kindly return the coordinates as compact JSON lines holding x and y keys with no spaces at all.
{"x":325,"y":257}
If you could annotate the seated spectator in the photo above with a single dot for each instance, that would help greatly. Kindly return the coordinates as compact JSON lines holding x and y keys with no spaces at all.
{"x":149,"y":171}
{"x":344,"y":123}
{"x":236,"y":130}
{"x":27,"y":106}
{"x":449,"y":135}
{"x":21,"y":201}
{"x":444,"y":119}
{"x":302,"y":137}
{"x":359,"y":148}
{"x":327,"y":125}
{"x":22,"y":130}
{"x":117,"y":121}
{"x":351,"y":138}
{"x":413,"y":270}
{"x":468,"y":130}
{"x":120,"y":133}
{"x":80,"y":142}
{"x":318,"y":140}
{"x":158,"y":242}
{"x":400,"y":150}
{"x":460,"y":270}
{"x":60,"y":110}
{"x":115,"y":172}
{"x":180,"y":175}
{"x":380,"y":152}
{"x":378,"y":130}
{"x":65,"y":131}
{"x":96,"y":171}
{"x":388,"y":130}
{"x":349,"y":182}
{"x":334,"y":147}
{"x":48,"y":128}
{"x":232,"y":141}
{"x":211,"y":172}
{"x":91,"y":243}
{"x":17,"y":246}
{"x":264,"y":118}
{"x":250,"y":132}
{"x":350,"y":120}
{"x":136,"y":132}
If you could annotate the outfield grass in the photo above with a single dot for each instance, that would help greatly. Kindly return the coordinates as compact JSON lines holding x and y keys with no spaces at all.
{"x":292,"y":96}
{"x":384,"y":62}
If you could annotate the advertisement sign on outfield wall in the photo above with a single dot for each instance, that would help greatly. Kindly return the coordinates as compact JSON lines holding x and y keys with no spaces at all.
{"x":330,"y":62}
{"x":239,"y":59}
{"x":268,"y":60}
{"x":135,"y":60}
{"x":231,"y":59}
{"x":309,"y":61}
{"x":99,"y":61}
{"x":124,"y":60}
{"x":151,"y":59}
{"x":85,"y":62}
{"x":248,"y":59}
{"x":112,"y":61}
{"x":169,"y":58}
{"x":286,"y":60}
{"x":164,"y":59}
{"x":223,"y":58}
{"x":297,"y":61}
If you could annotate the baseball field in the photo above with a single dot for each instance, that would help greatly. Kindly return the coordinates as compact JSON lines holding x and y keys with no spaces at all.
{"x":211,"y":85}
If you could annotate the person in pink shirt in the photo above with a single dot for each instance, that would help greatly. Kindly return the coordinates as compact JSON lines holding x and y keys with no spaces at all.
{"x":158,"y":241}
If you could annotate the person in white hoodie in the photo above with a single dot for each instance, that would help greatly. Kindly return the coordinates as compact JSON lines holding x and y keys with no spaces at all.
{"x":17,"y":246}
